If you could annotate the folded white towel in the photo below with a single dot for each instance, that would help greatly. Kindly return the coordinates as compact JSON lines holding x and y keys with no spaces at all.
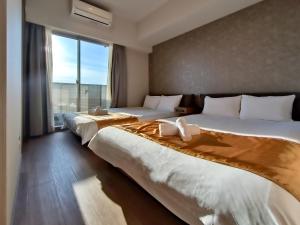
{"x":194,"y":129}
{"x":102,"y":112}
{"x":170,"y":129}
{"x":183,"y":129}
{"x":167,"y":129}
{"x":97,"y":111}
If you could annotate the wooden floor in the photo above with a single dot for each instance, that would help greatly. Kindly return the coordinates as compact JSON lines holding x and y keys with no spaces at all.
{"x":62,"y":182}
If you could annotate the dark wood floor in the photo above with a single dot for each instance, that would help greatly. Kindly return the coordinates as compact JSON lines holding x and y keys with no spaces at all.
{"x":62,"y":182}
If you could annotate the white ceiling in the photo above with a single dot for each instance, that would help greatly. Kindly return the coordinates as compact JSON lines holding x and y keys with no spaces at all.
{"x":159,"y":20}
{"x":133,"y":10}
{"x":177,"y":17}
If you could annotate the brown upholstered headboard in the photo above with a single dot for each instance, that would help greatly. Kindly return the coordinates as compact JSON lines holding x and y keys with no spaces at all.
{"x":199,"y":101}
{"x":188,"y":101}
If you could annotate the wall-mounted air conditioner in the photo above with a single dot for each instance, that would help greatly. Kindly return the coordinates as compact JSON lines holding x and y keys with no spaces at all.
{"x":87,"y":11}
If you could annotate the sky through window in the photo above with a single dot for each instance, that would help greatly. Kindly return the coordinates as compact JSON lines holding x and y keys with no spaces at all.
{"x":94,"y":61}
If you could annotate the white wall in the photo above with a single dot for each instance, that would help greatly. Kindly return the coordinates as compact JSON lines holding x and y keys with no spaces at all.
{"x":2,"y":111}
{"x":57,"y":14}
{"x":138,"y":77}
{"x":13,"y":100}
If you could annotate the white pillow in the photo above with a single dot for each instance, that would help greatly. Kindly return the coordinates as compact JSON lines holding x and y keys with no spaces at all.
{"x":278,"y":108}
{"x":169,"y":103}
{"x":228,"y":106}
{"x":151,"y":101}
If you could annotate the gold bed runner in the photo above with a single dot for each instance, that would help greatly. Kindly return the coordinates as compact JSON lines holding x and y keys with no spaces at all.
{"x":275,"y":159}
{"x":111,"y":119}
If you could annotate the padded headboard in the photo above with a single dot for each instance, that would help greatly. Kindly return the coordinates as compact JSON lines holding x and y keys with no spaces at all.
{"x":199,"y":100}
{"x":187,"y":101}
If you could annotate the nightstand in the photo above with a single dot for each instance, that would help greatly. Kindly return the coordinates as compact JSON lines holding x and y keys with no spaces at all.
{"x":184,"y":111}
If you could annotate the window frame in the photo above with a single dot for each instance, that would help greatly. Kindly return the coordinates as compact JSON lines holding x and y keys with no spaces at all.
{"x":78,"y":39}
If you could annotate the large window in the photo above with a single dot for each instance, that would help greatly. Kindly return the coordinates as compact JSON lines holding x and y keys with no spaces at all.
{"x":80,"y":71}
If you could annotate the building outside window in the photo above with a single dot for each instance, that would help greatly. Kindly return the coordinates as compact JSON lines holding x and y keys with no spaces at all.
{"x":80,"y":74}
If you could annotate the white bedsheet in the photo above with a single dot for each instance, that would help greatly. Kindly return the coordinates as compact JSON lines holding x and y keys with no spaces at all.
{"x":86,"y":128}
{"x":199,"y":191}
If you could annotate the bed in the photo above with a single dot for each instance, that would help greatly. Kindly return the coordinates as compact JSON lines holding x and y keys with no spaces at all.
{"x":200,"y":191}
{"x":86,"y":127}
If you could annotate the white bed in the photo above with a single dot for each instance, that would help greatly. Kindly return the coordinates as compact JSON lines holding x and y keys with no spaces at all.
{"x":199,"y":191}
{"x":86,"y":128}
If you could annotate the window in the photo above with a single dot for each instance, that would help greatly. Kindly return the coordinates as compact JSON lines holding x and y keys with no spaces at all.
{"x":80,"y":72}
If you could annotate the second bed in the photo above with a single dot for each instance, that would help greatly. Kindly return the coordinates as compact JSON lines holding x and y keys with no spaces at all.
{"x":86,"y":126}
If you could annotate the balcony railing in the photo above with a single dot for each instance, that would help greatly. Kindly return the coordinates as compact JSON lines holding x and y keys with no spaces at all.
{"x":64,"y":98}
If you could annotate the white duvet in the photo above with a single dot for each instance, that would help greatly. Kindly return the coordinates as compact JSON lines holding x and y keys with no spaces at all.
{"x":86,"y":128}
{"x":200,"y":191}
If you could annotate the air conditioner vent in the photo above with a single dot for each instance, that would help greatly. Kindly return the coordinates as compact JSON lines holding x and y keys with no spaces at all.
{"x":87,"y":11}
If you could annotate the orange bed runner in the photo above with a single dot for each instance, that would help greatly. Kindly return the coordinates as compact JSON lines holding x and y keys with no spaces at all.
{"x":111,"y":119}
{"x":275,"y":159}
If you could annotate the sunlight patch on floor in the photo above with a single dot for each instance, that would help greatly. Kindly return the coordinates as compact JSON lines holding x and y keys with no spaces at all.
{"x":95,"y":206}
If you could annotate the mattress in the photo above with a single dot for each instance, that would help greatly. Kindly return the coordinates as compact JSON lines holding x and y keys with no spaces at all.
{"x":199,"y":191}
{"x":86,"y":128}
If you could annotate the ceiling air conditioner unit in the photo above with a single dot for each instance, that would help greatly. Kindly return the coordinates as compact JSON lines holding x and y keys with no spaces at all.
{"x":87,"y":11}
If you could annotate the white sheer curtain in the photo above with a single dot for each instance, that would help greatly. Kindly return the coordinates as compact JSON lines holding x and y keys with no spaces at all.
{"x":49,"y":68}
{"x":108,"y":87}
